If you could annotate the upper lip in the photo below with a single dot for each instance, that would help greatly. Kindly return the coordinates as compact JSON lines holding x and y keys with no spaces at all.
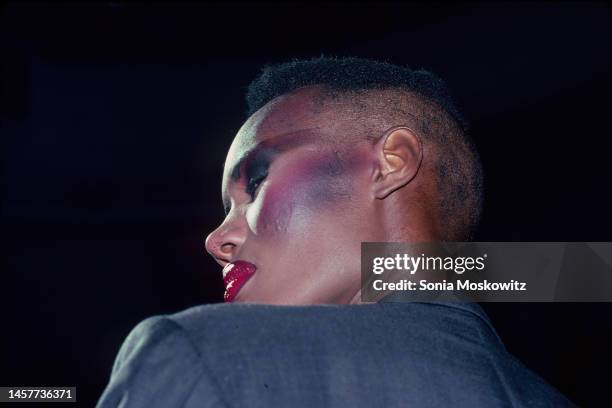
{"x":225,"y":262}
{"x":226,"y":268}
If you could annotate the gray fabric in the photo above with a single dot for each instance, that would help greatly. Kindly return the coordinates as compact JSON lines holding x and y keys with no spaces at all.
{"x":374,"y":355}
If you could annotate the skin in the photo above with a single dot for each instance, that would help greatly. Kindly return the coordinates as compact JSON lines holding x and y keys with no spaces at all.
{"x":326,"y":190}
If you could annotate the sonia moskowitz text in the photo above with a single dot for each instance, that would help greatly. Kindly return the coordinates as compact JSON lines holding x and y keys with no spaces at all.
{"x":467,"y":285}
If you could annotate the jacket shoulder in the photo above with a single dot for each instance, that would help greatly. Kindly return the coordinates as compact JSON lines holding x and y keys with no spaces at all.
{"x":157,"y":365}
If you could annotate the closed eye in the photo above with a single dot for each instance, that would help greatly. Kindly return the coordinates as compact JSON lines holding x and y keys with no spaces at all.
{"x":254,"y":183}
{"x":256,"y":171}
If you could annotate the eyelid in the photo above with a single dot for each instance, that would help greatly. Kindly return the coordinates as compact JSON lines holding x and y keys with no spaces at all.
{"x":243,"y":171}
{"x":259,"y":180}
{"x":256,"y":174}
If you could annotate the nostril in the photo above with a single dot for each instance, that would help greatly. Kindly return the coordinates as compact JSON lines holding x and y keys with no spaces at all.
{"x":228,"y":248}
{"x":223,"y":243}
{"x":222,"y":254}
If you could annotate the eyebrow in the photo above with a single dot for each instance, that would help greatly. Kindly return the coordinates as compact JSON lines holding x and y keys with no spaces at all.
{"x":272,"y":146}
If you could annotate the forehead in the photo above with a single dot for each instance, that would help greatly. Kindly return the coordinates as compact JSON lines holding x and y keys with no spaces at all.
{"x":287,"y":120}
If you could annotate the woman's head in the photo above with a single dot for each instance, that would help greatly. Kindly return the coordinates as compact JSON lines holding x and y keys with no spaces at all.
{"x":315,"y":171}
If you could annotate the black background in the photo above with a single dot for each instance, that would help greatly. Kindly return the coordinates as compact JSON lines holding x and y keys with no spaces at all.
{"x":115,"y":120}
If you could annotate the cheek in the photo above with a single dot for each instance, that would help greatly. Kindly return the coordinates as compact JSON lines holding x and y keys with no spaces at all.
{"x":300,"y":193}
{"x":279,"y":206}
{"x":273,"y":210}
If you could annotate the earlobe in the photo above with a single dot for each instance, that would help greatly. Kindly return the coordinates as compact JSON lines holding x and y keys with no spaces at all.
{"x":400,"y":153}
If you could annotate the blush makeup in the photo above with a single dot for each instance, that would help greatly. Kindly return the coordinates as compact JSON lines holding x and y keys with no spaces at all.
{"x":314,"y":182}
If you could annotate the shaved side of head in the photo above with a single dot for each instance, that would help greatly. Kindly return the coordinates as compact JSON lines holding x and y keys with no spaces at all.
{"x":370,"y":97}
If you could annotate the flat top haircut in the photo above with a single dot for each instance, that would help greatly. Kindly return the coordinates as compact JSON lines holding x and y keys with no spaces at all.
{"x":377,"y":95}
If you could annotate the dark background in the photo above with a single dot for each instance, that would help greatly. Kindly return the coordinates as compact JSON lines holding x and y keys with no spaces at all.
{"x":115,"y":120}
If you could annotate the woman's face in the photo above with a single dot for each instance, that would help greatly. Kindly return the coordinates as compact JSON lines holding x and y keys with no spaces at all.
{"x":296,"y":210}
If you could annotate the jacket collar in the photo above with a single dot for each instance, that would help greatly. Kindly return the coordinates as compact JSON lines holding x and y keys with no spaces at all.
{"x":447,"y":299}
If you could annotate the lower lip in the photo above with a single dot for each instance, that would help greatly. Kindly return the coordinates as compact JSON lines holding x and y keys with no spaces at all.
{"x":236,"y":274}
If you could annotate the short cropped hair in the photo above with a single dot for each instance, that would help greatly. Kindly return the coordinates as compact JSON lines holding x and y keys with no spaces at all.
{"x":459,"y":171}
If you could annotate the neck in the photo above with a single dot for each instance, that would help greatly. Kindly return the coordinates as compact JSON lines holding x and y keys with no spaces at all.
{"x":414,"y":226}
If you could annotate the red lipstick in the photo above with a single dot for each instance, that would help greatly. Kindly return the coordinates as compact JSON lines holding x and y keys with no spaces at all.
{"x":235,"y":275}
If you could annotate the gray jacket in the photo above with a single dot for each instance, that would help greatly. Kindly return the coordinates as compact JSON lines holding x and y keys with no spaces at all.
{"x":371,"y":355}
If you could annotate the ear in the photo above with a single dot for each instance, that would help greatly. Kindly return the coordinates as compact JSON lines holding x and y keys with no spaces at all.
{"x":400,"y":153}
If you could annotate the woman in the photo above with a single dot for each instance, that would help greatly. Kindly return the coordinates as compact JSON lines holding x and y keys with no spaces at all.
{"x":335,"y":152}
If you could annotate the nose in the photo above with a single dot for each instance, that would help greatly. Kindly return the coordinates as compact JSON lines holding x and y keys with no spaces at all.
{"x":225,"y":241}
